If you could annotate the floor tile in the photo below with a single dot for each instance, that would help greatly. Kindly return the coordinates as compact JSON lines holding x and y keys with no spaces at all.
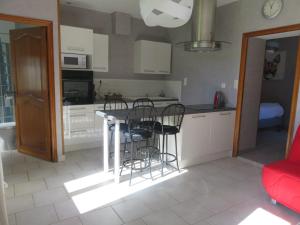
{"x":71,"y":221}
{"x":29,"y":187}
{"x":49,"y":196}
{"x":192,"y":212}
{"x":24,"y":167}
{"x":106,"y":215}
{"x":45,"y":215}
{"x":12,"y":219}
{"x":9,"y":191}
{"x":16,"y":178}
{"x":67,"y":168}
{"x":164,"y":218}
{"x":136,"y":222}
{"x":66,"y":209}
{"x":19,"y":204}
{"x":41,"y":173}
{"x":131,"y":210}
{"x":58,"y":181}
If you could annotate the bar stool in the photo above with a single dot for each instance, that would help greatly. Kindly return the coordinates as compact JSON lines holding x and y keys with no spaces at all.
{"x":143,"y":102}
{"x":114,"y":104}
{"x":139,"y":134}
{"x":171,"y":120}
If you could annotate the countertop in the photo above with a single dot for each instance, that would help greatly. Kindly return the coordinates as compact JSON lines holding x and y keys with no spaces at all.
{"x":129,"y":100}
{"x":189,"y":109}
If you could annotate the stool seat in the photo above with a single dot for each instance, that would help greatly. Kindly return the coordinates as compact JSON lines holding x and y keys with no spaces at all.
{"x":138,"y":134}
{"x":165,"y":129}
{"x":123,"y":127}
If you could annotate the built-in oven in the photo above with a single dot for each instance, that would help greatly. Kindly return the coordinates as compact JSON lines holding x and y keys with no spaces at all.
{"x":74,"y":61}
{"x":78,"y":87}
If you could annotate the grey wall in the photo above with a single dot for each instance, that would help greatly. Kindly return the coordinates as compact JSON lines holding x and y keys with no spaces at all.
{"x":121,"y":46}
{"x":207,"y":71}
{"x":42,"y":9}
{"x":281,"y":90}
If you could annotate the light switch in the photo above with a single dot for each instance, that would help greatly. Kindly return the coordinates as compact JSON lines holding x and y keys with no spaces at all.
{"x":223,"y":85}
{"x":236,"y":84}
{"x":185,"y":80}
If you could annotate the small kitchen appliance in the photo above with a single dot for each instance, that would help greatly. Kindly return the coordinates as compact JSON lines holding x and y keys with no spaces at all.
{"x":74,"y":61}
{"x":219,"y":100}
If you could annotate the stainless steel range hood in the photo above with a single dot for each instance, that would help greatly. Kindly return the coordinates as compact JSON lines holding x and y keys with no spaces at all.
{"x":203,"y":25}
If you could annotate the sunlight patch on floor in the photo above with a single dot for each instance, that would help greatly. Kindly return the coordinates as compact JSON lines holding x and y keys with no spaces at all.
{"x":109,"y":193}
{"x":261,"y":216}
{"x":88,"y":181}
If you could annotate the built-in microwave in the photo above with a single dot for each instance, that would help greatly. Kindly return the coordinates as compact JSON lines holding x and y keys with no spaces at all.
{"x":74,"y":61}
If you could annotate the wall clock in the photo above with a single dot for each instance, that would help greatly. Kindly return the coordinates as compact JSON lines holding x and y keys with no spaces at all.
{"x":272,"y":8}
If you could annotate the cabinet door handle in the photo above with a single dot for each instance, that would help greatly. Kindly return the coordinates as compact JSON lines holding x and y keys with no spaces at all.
{"x":76,"y":48}
{"x":200,"y":116}
{"x":78,"y":115}
{"x":100,"y":67}
{"x":164,"y":71}
{"x":225,"y":114}
{"x":82,"y":108}
{"x":78,"y":131}
{"x":149,"y":71}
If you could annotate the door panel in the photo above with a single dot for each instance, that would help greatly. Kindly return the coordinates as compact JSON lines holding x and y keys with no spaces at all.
{"x":29,"y":62}
{"x":252,"y":93}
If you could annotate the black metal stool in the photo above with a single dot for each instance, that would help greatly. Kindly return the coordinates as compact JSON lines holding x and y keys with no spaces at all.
{"x":114,"y":104}
{"x":142,"y":102}
{"x":139,"y":134}
{"x":171,"y":120}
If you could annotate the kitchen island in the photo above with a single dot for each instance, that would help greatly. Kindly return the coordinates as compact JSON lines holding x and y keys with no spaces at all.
{"x":206,"y":135}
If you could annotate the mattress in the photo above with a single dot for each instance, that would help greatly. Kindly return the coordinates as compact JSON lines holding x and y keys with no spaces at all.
{"x":270,"y":110}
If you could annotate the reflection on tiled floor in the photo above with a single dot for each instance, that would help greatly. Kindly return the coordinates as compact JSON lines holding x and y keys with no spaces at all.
{"x":270,"y":147}
{"x":223,"y":192}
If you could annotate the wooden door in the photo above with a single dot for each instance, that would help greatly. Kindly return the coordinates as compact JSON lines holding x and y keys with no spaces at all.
{"x":30,"y":72}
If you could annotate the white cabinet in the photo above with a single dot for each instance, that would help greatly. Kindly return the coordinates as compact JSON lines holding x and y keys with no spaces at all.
{"x":196,"y":133}
{"x":80,"y":130}
{"x":76,"y":40}
{"x":206,"y":137}
{"x":152,"y":57}
{"x":101,"y":53}
{"x":222,"y":131}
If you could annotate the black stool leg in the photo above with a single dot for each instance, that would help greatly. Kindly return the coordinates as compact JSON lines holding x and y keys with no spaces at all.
{"x":110,"y":143}
{"x":176,"y":153}
{"x":163,"y":156}
{"x":131,"y":161}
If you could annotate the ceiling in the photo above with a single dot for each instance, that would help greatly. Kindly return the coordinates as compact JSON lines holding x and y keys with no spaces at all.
{"x":127,"y":6}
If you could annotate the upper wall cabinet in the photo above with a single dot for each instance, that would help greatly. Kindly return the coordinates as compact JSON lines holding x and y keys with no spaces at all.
{"x":100,"y":55}
{"x":152,"y":57}
{"x":76,"y":40}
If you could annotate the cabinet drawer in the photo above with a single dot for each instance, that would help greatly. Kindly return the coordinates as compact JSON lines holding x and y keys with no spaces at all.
{"x":74,"y":109}
{"x":79,"y":121}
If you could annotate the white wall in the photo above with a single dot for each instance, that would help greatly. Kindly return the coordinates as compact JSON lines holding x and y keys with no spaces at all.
{"x":41,"y":9}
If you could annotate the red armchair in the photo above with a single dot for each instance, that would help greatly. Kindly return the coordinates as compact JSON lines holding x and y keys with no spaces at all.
{"x":282,"y":179}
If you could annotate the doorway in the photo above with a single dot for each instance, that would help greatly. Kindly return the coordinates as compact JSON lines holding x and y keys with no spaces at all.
{"x":259,"y":97}
{"x":27,"y":95}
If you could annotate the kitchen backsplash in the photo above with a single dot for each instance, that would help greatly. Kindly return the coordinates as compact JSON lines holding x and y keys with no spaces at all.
{"x":138,"y":88}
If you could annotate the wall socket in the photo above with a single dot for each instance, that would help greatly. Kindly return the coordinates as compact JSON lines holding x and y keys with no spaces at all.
{"x":223,"y":85}
{"x":235,"y":84}
{"x":185,"y":81}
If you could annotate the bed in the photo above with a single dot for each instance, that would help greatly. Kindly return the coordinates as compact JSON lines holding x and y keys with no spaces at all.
{"x":270,"y":115}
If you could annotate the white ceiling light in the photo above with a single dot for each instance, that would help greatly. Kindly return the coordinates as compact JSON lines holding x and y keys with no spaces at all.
{"x":166,"y":13}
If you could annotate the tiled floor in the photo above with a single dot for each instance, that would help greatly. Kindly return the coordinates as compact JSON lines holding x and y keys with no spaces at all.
{"x":223,"y":192}
{"x":270,"y":147}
